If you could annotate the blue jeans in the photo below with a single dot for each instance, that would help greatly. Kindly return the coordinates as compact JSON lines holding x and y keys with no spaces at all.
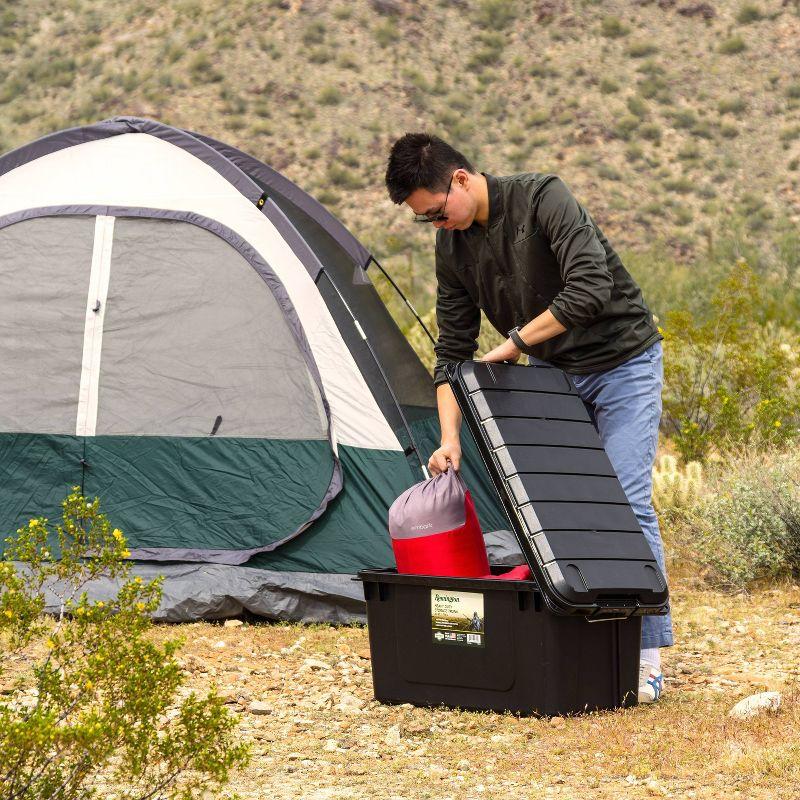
{"x":625,"y":406}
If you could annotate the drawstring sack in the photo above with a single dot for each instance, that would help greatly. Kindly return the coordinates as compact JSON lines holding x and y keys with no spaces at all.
{"x":435,"y":529}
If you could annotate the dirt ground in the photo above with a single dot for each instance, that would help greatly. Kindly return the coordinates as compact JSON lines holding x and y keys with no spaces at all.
{"x":319,"y":734}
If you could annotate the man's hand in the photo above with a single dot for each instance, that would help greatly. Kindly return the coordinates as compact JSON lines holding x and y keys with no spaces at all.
{"x":448,"y":455}
{"x":507,"y":351}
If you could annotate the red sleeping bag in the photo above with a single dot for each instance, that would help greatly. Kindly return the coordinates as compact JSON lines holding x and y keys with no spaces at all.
{"x":435,"y":531}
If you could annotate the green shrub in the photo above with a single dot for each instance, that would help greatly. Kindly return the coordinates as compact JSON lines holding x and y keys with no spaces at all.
{"x":495,"y":15}
{"x":625,"y":126}
{"x":702,"y":129}
{"x":650,"y":131}
{"x":641,"y":49}
{"x":386,"y":33}
{"x":793,"y":91}
{"x":613,"y":27}
{"x":516,"y":134}
{"x":706,"y":191}
{"x":654,"y":87}
{"x":684,"y":119}
{"x":346,"y":61}
{"x":678,"y":185}
{"x":201,"y":68}
{"x":728,"y":381}
{"x":728,"y":131}
{"x":330,"y":96}
{"x":790,"y":134}
{"x":689,"y":152}
{"x":749,"y":12}
{"x":343,"y":177}
{"x":173,"y":52}
{"x":637,"y":107}
{"x":12,"y":88}
{"x":94,"y":695}
{"x":609,"y":86}
{"x":634,"y":152}
{"x":732,"y":46}
{"x":748,"y":525}
{"x":314,"y":33}
{"x":538,"y":117}
{"x":320,"y":55}
{"x":732,"y":105}
{"x":608,"y":172}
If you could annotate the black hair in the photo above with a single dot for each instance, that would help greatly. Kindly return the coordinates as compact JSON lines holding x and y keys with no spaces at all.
{"x":421,"y":161}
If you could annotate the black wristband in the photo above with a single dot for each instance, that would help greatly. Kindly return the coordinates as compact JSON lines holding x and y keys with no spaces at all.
{"x":513,"y":334}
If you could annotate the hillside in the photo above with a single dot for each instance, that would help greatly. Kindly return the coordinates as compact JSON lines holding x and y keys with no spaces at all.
{"x":676,"y":122}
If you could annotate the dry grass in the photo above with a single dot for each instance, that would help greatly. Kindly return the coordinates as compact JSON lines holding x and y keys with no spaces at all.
{"x":684,"y":747}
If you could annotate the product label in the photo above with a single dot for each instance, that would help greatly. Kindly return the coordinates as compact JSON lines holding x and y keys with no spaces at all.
{"x":457,"y":618}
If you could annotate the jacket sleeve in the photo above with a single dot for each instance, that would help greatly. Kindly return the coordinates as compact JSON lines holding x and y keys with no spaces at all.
{"x":580,"y":254}
{"x":458,"y":318}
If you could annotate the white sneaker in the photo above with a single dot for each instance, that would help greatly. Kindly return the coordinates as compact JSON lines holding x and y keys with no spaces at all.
{"x":651,"y":683}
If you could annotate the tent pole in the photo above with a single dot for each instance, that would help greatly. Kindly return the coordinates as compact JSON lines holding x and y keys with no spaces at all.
{"x":404,"y":298}
{"x":363,"y":335}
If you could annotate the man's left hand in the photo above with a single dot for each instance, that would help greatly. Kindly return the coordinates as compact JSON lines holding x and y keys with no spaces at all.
{"x":507,"y":351}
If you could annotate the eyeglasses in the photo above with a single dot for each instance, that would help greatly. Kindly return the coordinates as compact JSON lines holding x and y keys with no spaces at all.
{"x":440,"y":216}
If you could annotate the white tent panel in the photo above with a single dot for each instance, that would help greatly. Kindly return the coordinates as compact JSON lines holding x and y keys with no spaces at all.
{"x":138,"y":170}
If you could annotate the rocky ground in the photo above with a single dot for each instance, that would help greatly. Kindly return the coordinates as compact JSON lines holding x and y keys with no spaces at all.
{"x":304,"y":696}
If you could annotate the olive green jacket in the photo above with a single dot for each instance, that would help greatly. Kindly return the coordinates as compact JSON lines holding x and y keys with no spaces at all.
{"x":540,"y":250}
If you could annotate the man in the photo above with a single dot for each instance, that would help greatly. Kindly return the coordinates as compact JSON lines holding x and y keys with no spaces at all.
{"x":526,"y":253}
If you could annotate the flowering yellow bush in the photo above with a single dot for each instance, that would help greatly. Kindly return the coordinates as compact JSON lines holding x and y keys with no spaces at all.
{"x":730,"y":379}
{"x":92,"y":703}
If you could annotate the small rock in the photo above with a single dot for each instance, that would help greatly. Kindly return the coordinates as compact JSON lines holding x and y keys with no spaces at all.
{"x":364,"y":654}
{"x":315,"y":663}
{"x":393,"y":735}
{"x":655,"y":789}
{"x":232,"y":623}
{"x":350,"y":704}
{"x":464,"y":764}
{"x":761,"y":703}
{"x":556,"y":722}
{"x":294,"y":756}
{"x":258,"y":707}
{"x":220,"y":645}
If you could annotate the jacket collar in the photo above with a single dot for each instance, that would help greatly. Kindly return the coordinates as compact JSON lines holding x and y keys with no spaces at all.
{"x":496,"y":206}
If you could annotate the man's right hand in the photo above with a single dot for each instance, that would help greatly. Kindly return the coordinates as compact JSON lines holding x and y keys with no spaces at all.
{"x":449,"y":454}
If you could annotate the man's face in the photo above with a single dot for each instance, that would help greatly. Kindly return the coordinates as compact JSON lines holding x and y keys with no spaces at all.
{"x":458,"y":205}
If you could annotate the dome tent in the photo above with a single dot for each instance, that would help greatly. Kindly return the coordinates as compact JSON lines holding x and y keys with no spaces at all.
{"x":191,"y":337}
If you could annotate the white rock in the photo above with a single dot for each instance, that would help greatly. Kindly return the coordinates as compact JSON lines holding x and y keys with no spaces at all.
{"x":220,"y":645}
{"x":393,"y":735}
{"x":233,"y":623}
{"x":350,"y":701}
{"x":761,"y":703}
{"x":315,"y":663}
{"x":259,"y":707}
